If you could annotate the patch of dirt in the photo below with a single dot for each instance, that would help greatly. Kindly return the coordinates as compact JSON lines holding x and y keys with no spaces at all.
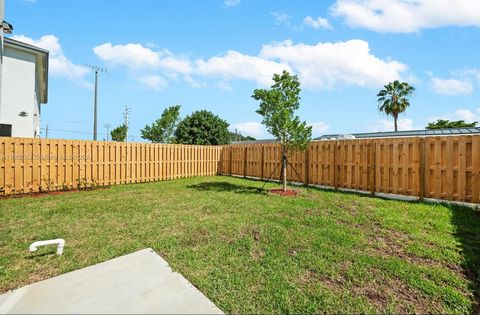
{"x":385,"y":242}
{"x":256,"y":234}
{"x":319,"y":211}
{"x":50,"y":193}
{"x":293,"y":251}
{"x":287,"y":193}
{"x":382,"y":293}
{"x":257,"y":254}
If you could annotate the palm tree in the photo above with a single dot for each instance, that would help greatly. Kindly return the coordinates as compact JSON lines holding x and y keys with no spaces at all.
{"x":393,"y":99}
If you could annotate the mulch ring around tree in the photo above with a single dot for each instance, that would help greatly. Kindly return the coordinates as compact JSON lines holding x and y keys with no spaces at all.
{"x":286,"y":193}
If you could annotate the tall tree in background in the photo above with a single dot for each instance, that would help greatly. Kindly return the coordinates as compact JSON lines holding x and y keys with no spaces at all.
{"x":445,"y":123}
{"x":393,"y":99}
{"x":119,"y":134}
{"x":202,"y":127}
{"x":277,"y":107}
{"x":163,"y":129}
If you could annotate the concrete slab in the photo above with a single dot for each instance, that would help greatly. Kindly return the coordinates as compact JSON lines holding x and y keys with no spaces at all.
{"x":141,"y":282}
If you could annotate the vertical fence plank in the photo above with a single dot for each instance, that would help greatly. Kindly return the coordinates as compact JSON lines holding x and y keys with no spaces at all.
{"x":440,"y":167}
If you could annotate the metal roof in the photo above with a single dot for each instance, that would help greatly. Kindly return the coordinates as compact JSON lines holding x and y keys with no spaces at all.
{"x":387,"y":134}
{"x":409,"y":133}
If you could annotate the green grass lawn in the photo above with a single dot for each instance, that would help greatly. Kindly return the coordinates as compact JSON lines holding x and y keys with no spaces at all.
{"x":251,"y":252}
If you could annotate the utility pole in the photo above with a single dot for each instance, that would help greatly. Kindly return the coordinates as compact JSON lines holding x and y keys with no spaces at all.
{"x":126,"y":112}
{"x":108,"y":129}
{"x":96,"y":69}
{"x":46,"y":132}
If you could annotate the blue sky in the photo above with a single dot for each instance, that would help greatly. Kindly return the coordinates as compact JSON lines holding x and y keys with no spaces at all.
{"x":212,"y":54}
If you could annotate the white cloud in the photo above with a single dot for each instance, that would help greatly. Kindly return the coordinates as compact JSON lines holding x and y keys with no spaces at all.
{"x":145,"y":64}
{"x":153,"y":82}
{"x":318,"y":128}
{"x":321,"y":66}
{"x":134,"y":56}
{"x":138,"y":57}
{"x":387,"y":125}
{"x":281,"y":18}
{"x":235,"y":65}
{"x":407,"y":16}
{"x":175,"y":64}
{"x":472,"y":72}
{"x":467,"y":115}
{"x":194,"y":83}
{"x":326,"y":65}
{"x":464,"y":114}
{"x":251,"y":128}
{"x":317,"y":23}
{"x":451,"y":86}
{"x":222,"y":85}
{"x":59,"y":64}
{"x":231,"y":3}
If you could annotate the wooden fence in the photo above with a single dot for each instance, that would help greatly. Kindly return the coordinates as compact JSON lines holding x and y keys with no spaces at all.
{"x":446,"y":167}
{"x":32,"y":165}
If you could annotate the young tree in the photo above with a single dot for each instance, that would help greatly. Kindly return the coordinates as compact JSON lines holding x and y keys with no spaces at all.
{"x":202,"y":127}
{"x":163,"y":129}
{"x":393,"y":99}
{"x":119,"y":134}
{"x":277,"y":107}
{"x":445,"y":123}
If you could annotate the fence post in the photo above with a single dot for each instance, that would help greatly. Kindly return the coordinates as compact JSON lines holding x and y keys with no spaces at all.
{"x":373,"y":167}
{"x":335,"y":171}
{"x":230,"y":149}
{"x":245,"y":163}
{"x":263,"y":161}
{"x":421,"y":170}
{"x":307,"y":165}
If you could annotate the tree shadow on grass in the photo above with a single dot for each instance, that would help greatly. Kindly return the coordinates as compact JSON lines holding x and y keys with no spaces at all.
{"x":467,"y":231}
{"x":227,"y":187}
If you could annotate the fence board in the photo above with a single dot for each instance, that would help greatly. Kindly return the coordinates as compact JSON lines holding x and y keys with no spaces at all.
{"x":444,"y":167}
{"x":30,"y":165}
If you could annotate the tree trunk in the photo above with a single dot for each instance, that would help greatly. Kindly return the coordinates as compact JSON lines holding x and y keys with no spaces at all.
{"x":395,"y":117}
{"x":284,"y":169}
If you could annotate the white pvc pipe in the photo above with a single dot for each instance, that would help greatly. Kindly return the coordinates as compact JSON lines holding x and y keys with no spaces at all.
{"x":59,"y":241}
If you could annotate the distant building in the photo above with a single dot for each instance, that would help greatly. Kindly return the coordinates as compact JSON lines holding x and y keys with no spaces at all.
{"x":409,"y":133}
{"x":24,"y":88}
{"x":386,"y":134}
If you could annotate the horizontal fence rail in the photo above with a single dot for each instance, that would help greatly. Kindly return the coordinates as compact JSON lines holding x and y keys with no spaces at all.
{"x":36,"y":165}
{"x":446,"y":167}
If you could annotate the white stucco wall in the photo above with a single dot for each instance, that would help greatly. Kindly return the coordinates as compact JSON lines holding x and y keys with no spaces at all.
{"x":19,"y":93}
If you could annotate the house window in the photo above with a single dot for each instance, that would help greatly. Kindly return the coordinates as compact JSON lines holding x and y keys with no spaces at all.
{"x":5,"y":130}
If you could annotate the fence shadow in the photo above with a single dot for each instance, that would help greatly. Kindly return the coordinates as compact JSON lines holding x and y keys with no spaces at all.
{"x":227,"y":187}
{"x":467,"y":231}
